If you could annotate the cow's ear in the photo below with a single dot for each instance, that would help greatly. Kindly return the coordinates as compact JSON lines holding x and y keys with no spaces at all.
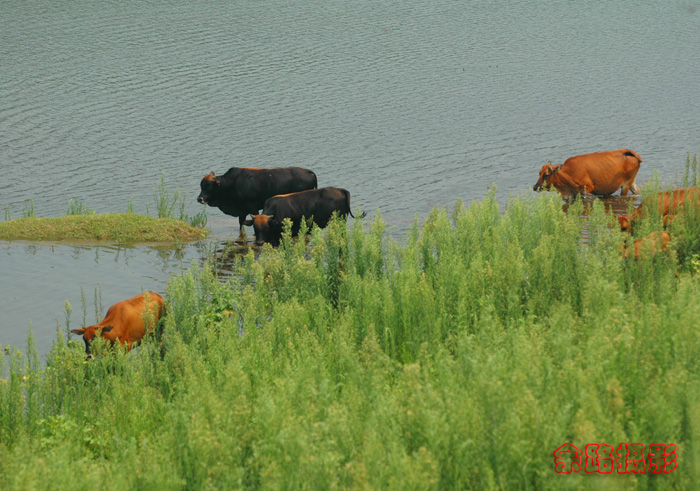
{"x":107,"y":329}
{"x":79,"y":332}
{"x":248,"y":222}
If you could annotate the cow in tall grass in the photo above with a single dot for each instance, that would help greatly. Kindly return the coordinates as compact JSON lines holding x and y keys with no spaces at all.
{"x":668,"y":205}
{"x":127,"y":321}
{"x":647,"y":246}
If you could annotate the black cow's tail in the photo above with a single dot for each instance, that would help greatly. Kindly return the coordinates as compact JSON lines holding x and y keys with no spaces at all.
{"x":315,"y":180}
{"x":347,"y":202}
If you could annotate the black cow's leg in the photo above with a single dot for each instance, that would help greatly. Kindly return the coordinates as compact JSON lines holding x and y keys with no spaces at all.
{"x":241,"y":231}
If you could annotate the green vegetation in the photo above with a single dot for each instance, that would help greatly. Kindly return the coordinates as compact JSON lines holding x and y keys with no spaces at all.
{"x":166,"y":200}
{"x":28,"y":211}
{"x":113,"y":227}
{"x":81,"y":223}
{"x":77,"y":207}
{"x":460,"y":358}
{"x":690,"y":173}
{"x":685,"y":227}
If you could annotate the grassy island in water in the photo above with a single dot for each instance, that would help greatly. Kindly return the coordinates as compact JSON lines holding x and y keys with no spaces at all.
{"x":113,"y":227}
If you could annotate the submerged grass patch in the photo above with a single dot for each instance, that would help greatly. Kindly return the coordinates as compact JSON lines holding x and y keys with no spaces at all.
{"x":113,"y":227}
{"x":459,"y":358}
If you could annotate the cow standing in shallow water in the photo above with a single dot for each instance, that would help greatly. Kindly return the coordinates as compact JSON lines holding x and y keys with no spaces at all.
{"x":668,"y":205}
{"x":126,"y":321}
{"x":319,"y":204}
{"x":243,"y":191}
{"x":600,"y":173}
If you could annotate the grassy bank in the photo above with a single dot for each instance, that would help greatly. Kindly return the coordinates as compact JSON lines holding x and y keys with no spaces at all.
{"x":81,"y":223}
{"x":460,"y":358}
{"x":113,"y":227}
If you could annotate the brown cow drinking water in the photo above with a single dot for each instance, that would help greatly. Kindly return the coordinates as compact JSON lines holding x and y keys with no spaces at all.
{"x":126,"y":321}
{"x":242,"y":191}
{"x":601,"y":173}
{"x":318,"y":204}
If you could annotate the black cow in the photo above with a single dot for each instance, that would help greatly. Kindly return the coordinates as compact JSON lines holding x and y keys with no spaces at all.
{"x":242,"y":191}
{"x":318,"y":204}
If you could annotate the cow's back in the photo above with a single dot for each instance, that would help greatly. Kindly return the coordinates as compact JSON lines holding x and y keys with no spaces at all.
{"x":667,"y":202}
{"x":330,"y":200}
{"x":319,"y":203}
{"x":251,"y":185}
{"x":286,"y":180}
{"x":127,"y":317}
{"x":607,"y":171}
{"x":679,"y":197}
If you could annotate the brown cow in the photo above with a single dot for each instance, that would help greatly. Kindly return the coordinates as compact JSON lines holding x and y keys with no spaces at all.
{"x":649,"y":245}
{"x":593,"y":173}
{"x":668,"y":203}
{"x":126,"y":321}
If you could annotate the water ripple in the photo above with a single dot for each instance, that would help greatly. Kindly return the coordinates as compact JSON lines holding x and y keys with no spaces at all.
{"x":407,"y":106}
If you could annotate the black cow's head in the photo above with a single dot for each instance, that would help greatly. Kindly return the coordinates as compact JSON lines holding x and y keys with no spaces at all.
{"x":546,"y":173}
{"x":263,"y":225}
{"x":88,"y":333}
{"x":210,"y":185}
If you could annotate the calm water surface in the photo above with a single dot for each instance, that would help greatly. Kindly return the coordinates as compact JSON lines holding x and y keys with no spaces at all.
{"x":406,"y":105}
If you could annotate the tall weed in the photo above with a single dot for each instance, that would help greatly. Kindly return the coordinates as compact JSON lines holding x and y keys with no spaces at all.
{"x":460,"y":357}
{"x":28,"y":211}
{"x":77,"y":207}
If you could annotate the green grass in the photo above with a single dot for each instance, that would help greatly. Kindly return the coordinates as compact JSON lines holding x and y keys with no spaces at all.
{"x":459,"y":358}
{"x":77,"y":207}
{"x":166,"y":200}
{"x":81,"y":223}
{"x":113,"y":227}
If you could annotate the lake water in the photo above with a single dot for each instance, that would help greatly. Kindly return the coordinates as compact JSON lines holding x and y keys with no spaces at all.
{"x":408,"y":105}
